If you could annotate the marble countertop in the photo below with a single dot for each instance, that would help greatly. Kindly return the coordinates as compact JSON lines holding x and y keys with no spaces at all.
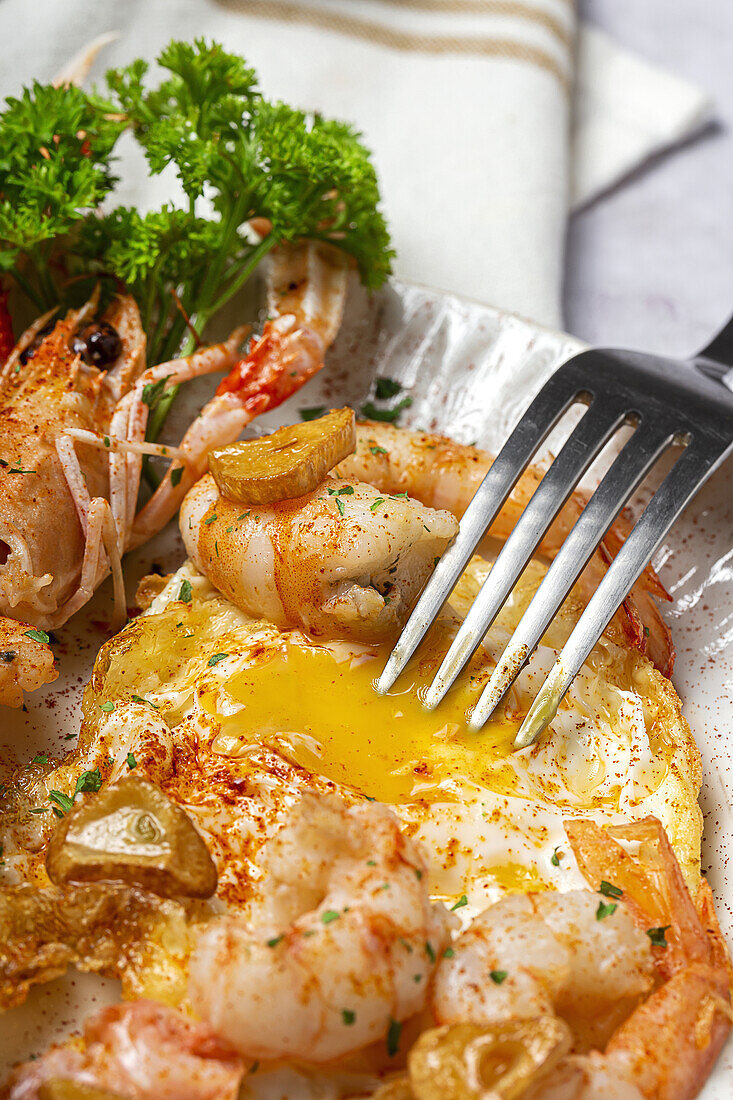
{"x":651,"y":264}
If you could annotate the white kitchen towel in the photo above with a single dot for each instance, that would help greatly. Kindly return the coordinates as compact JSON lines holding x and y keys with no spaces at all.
{"x":466,"y":104}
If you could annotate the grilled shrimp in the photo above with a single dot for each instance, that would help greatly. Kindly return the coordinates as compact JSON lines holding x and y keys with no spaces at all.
{"x":444,"y":474}
{"x":638,"y":959}
{"x":342,"y":560}
{"x":340,"y":946}
{"x":72,"y":434}
{"x":138,"y":1051}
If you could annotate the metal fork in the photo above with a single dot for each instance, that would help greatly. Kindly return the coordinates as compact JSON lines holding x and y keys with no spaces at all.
{"x":667,"y":402}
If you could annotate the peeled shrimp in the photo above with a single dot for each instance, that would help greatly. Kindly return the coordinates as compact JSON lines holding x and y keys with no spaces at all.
{"x":586,"y":957}
{"x":444,"y":474}
{"x":343,"y":559}
{"x":341,"y":944}
{"x":138,"y":1051}
{"x":554,"y":955}
{"x":25,"y":662}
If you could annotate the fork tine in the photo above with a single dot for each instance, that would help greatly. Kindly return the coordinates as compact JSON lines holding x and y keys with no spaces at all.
{"x":588,"y":438}
{"x":625,"y":474}
{"x":676,"y":491}
{"x":555,"y":398}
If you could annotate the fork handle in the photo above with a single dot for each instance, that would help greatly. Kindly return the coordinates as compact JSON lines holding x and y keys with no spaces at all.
{"x":718,"y":356}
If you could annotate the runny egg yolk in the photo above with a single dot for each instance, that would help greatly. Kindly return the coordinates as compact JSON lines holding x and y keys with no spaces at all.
{"x":324,"y":714}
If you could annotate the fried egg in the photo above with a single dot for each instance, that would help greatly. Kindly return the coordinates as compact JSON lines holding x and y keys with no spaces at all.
{"x":259,"y":714}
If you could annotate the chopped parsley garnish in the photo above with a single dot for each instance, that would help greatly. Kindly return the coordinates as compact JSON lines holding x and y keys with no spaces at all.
{"x":88,"y":781}
{"x":153,"y":392}
{"x":387,"y":387}
{"x":275,"y":940}
{"x":393,"y":1037}
{"x":609,"y":890}
{"x":39,"y":809}
{"x":313,"y":413}
{"x":131,"y":761}
{"x":418,"y":873}
{"x":556,"y":857}
{"x":463,"y":900}
{"x":147,"y":702}
{"x":371,"y":863}
{"x":216,"y":658}
{"x":37,"y":635}
{"x":348,"y":1016}
{"x":429,"y":951}
{"x":498,"y":976}
{"x":176,"y":475}
{"x":42,"y":758}
{"x":340,"y":505}
{"x":605,"y":909}
{"x":657,"y":935}
{"x":387,"y":416}
{"x":63,"y":802}
{"x":449,"y":953}
{"x":378,"y":450}
{"x":210,"y":519}
{"x":184,"y":594}
{"x":329,"y":915}
{"x":107,"y":707}
{"x":377,"y":502}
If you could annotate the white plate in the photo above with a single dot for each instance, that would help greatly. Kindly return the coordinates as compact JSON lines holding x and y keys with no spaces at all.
{"x":470,"y":370}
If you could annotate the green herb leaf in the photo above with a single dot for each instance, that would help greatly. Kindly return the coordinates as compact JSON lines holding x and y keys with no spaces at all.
{"x":313,"y":413}
{"x":42,"y":758}
{"x":393,"y":1037}
{"x":378,"y":450}
{"x":463,"y":900}
{"x":216,"y":658}
{"x":153,"y":392}
{"x":147,"y":702}
{"x":449,"y":953}
{"x":88,"y":781}
{"x":275,"y":940}
{"x":387,"y":416}
{"x":609,"y":890}
{"x":498,"y":976}
{"x":340,"y":505}
{"x":37,"y":635}
{"x":429,"y":951}
{"x":657,"y":935}
{"x":555,"y":858}
{"x":176,"y":475}
{"x":210,"y":519}
{"x":62,"y":800}
{"x":184,"y":594}
{"x":131,"y":761}
{"x":329,"y":915}
{"x":387,"y":387}
{"x":377,"y":502}
{"x":107,"y":707}
{"x":348,"y":1016}
{"x":605,"y":909}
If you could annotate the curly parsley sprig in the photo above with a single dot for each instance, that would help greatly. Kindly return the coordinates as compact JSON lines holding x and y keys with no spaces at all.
{"x":237,"y":156}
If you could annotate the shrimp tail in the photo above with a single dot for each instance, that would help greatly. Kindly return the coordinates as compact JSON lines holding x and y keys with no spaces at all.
{"x":690,"y":1012}
{"x":654,"y":891}
{"x":643,"y":625}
